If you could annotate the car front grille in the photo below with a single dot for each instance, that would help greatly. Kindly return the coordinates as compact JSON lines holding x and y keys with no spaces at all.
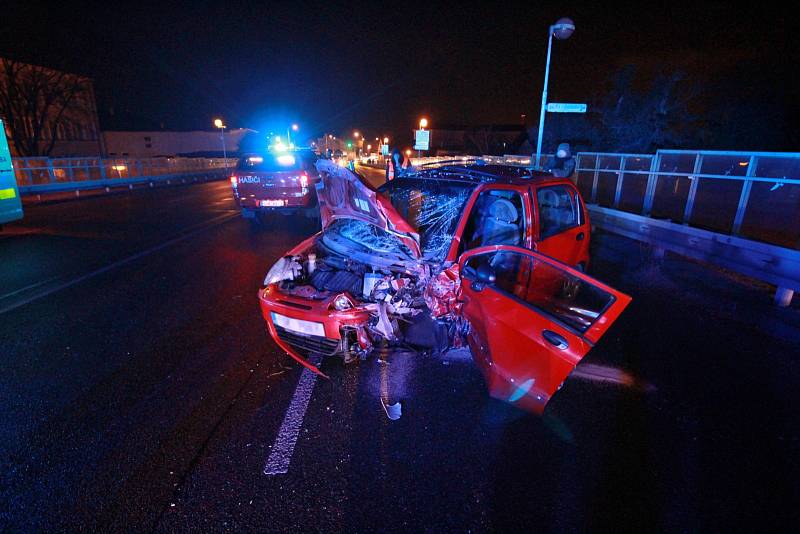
{"x":304,"y":344}
{"x":294,"y":304}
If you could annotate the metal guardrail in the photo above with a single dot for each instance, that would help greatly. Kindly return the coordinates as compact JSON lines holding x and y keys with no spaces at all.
{"x":773,"y":264}
{"x":45,"y":175}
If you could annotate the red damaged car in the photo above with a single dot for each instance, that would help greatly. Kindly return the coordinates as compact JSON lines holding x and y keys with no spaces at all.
{"x":491,"y":257}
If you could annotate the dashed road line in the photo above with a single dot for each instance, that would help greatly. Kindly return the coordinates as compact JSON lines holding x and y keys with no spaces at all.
{"x":29,"y":287}
{"x":283,"y":448}
{"x":197,"y":229}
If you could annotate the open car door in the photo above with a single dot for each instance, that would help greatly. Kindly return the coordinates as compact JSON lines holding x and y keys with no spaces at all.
{"x":533,"y":319}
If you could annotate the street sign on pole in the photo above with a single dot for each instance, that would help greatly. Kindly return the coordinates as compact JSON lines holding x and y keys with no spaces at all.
{"x":561,"y":107}
{"x":384,"y":149}
{"x":422,"y":139}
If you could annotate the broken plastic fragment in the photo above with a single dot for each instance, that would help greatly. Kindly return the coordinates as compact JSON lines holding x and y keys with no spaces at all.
{"x":393,"y":411}
{"x":384,"y":326}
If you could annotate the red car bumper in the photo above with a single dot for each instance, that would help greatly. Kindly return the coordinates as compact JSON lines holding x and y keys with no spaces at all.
{"x":299,"y":345}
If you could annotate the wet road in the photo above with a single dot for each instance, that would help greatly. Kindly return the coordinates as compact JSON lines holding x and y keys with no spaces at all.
{"x":139,"y":391}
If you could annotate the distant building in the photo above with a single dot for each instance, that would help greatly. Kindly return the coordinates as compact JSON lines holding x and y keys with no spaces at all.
{"x":48,"y":112}
{"x":162,"y":143}
{"x":327,"y":142}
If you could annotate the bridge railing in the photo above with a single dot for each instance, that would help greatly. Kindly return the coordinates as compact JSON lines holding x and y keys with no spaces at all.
{"x":754,"y":195}
{"x":41,"y":174}
{"x":739,"y":210}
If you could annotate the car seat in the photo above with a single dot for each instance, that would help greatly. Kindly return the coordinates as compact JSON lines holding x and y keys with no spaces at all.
{"x":549,"y":214}
{"x":500,"y":226}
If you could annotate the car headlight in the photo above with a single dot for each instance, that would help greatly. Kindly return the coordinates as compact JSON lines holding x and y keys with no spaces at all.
{"x":286,"y":268}
{"x":342,"y":303}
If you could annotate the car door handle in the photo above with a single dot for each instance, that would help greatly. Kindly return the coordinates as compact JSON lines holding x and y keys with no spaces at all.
{"x":579,"y":237}
{"x":554,"y":339}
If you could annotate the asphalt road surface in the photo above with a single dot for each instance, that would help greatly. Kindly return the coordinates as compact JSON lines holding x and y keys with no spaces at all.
{"x":140,"y":391}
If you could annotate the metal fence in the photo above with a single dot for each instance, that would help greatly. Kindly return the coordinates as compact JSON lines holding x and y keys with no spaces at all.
{"x":754,"y":195}
{"x":36,"y":175}
{"x":738,"y":210}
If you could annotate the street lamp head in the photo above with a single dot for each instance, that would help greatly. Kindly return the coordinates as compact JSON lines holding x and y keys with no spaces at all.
{"x":385,"y":140}
{"x":218,"y":123}
{"x":295,"y":127}
{"x":563,"y":28}
{"x":423,"y":123}
{"x":355,"y":134}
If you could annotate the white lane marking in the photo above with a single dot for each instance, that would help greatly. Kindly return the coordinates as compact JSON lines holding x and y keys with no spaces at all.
{"x":198,"y":228}
{"x":28,"y":288}
{"x":283,"y":448}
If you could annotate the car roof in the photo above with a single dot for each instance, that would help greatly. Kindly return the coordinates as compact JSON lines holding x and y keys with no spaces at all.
{"x":479,"y":173}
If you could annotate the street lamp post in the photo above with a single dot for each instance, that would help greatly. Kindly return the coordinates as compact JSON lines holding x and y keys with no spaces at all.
{"x":561,"y":30}
{"x":294,"y":128}
{"x":219,"y":124}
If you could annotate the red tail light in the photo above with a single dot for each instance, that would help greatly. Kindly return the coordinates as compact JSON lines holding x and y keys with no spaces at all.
{"x":234,"y":181}
{"x":303,"y":180}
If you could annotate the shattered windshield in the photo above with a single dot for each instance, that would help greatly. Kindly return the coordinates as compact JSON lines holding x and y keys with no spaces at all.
{"x":432,"y":207}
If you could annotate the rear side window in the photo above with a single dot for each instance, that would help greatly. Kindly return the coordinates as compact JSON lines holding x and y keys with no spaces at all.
{"x":271,"y":162}
{"x":497,"y":218}
{"x":559,"y":210}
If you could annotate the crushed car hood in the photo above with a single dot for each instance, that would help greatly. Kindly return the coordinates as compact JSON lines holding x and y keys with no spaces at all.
{"x":343,"y":195}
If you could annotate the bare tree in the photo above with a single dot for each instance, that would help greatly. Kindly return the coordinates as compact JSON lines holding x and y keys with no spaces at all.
{"x":478,"y":140}
{"x":643,"y":120}
{"x":37,"y":103}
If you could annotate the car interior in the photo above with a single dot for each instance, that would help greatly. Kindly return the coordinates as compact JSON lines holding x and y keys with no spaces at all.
{"x":556,"y":210}
{"x":495,"y":220}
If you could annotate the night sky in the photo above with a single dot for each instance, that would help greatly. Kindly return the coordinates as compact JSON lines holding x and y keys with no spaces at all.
{"x":379,"y":67}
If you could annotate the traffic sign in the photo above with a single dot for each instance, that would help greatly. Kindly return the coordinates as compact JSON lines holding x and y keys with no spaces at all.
{"x":422,"y":139}
{"x":384,"y":149}
{"x":560,"y":107}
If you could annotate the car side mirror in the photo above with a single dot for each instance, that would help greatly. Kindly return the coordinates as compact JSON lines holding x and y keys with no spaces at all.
{"x":484,"y":276}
